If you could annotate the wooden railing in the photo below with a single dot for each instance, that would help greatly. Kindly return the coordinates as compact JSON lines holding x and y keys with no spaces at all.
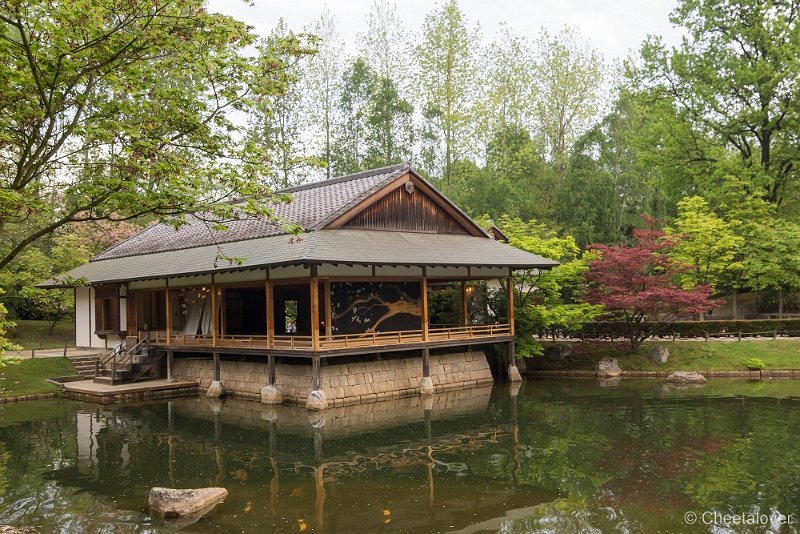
{"x":339,"y":341}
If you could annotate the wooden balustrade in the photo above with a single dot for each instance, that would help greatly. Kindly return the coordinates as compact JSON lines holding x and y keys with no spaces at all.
{"x":338,"y":341}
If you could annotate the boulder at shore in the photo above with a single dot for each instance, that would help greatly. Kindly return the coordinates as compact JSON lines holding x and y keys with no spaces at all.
{"x":686,"y":377}
{"x":190,"y":504}
{"x":659,"y":355}
{"x":8,"y":529}
{"x":607,"y":368}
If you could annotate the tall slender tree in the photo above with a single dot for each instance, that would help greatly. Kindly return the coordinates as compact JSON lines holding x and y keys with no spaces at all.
{"x":447,"y":84}
{"x":323,"y":75}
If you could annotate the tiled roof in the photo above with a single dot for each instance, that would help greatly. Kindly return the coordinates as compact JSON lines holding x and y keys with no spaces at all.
{"x":311,"y":207}
{"x":364,"y":247}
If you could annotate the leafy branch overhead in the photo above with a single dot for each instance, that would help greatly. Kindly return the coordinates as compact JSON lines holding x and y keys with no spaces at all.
{"x":117,"y":112}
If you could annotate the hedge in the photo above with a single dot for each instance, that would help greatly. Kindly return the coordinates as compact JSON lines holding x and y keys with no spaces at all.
{"x":700,"y":328}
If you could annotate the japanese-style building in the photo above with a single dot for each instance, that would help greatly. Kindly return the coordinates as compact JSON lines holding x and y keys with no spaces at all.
{"x":376,"y":296}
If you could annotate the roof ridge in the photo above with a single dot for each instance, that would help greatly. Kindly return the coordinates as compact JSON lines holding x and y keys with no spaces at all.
{"x":346,"y":178}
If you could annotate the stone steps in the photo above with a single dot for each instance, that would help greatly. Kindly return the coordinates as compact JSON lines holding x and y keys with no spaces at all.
{"x":84,"y":365}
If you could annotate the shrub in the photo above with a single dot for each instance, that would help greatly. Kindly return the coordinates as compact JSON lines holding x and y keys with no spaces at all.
{"x":754,"y":364}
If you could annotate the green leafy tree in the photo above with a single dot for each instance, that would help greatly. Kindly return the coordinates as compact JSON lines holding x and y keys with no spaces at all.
{"x":708,"y":243}
{"x":115,"y":111}
{"x":546,"y":300}
{"x":735,"y":76}
{"x":447,"y":81}
{"x":278,"y":119}
{"x":569,"y":75}
{"x":323,"y":73}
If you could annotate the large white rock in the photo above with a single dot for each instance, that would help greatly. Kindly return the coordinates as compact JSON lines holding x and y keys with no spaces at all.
{"x":216,"y":390}
{"x":317,"y":400}
{"x":426,"y":386}
{"x":513,"y":374}
{"x":659,"y":354}
{"x":686,"y":377}
{"x":168,"y":503}
{"x":608,"y":368}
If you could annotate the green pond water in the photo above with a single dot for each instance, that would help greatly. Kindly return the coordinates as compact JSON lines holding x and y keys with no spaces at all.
{"x":553,"y":456}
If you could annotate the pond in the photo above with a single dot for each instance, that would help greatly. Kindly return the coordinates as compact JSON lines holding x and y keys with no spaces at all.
{"x":558,"y":456}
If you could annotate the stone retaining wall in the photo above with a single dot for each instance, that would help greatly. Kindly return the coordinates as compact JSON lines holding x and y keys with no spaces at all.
{"x":343,"y":383}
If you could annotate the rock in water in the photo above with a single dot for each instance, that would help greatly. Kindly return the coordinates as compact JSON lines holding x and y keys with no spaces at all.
{"x":607,"y":368}
{"x":8,"y":529}
{"x":182,"y":507}
{"x":686,"y":377}
{"x":659,"y":355}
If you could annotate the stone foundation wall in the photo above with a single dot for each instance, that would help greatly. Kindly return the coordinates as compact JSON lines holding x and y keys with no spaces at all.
{"x":343,"y":383}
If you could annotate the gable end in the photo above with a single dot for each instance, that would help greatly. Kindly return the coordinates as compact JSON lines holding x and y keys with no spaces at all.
{"x":408,"y":204}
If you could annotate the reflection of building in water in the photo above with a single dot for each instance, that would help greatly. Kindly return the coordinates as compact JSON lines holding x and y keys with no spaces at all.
{"x":102,"y":447}
{"x":415,"y":463}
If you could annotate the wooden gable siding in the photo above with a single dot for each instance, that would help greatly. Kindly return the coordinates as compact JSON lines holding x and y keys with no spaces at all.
{"x":401,"y":210}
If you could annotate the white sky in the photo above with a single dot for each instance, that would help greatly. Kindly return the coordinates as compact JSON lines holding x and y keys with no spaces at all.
{"x":614,"y":27}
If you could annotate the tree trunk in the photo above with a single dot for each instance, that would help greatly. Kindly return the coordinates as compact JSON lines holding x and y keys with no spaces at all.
{"x":780,"y":303}
{"x":735,"y":304}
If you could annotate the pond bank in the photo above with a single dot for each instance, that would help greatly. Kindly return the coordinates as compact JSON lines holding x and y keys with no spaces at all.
{"x":781,"y":358}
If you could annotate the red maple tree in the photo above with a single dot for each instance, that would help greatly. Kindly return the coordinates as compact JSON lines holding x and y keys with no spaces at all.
{"x":638,"y":284}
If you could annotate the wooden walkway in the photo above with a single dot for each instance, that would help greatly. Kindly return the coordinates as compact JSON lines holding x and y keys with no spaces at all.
{"x":88,"y":390}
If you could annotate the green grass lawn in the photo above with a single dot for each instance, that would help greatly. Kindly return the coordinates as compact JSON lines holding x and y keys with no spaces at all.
{"x":29,"y":377}
{"x":34,"y":335}
{"x":683,"y":355}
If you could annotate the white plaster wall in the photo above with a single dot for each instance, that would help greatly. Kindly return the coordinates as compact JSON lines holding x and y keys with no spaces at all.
{"x":83,"y":317}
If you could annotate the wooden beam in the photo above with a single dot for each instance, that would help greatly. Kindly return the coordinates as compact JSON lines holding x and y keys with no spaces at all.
{"x":213,"y":312}
{"x":314,"y":314}
{"x":169,"y":366}
{"x":328,"y":312}
{"x":510,"y":290}
{"x":424,"y":303}
{"x":426,"y":362}
{"x":270,"y":304}
{"x":168,"y":303}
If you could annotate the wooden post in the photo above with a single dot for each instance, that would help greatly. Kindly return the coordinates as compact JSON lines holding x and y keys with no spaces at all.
{"x":270,"y":303}
{"x":328,"y":313}
{"x":464,"y":307}
{"x":169,"y":366}
{"x":426,"y":362}
{"x":169,"y":314}
{"x":314,"y":314}
{"x":213,"y":312}
{"x":510,"y":290}
{"x":316,"y":380}
{"x":217,"y":373}
{"x":271,"y":369}
{"x":424,"y":303}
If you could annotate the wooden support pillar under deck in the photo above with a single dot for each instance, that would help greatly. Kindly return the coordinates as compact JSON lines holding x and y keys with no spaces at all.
{"x":169,"y":366}
{"x":217,"y":373}
{"x":426,"y":362}
{"x":271,"y":369}
{"x":316,"y":378}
